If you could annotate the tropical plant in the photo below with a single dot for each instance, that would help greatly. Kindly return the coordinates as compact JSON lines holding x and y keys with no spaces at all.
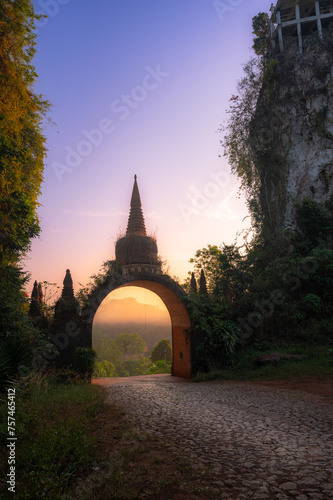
{"x":213,"y":332}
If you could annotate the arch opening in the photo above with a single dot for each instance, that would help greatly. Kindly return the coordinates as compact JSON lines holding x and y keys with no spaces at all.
{"x":180,"y":320}
{"x":180,"y":324}
{"x":132,"y":310}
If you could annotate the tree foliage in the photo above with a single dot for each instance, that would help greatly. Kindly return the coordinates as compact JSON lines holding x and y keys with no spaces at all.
{"x":15,"y":356}
{"x":108,"y":350}
{"x":314,"y":220}
{"x":22,"y":144}
{"x":237,"y":142}
{"x":22,"y":150}
{"x":226,"y":270}
{"x":116,"y":358}
{"x":124,"y":352}
{"x":213,"y":332}
{"x":104,"y":369}
{"x":162,"y":351}
{"x":281,"y":291}
{"x":131,"y":345}
{"x":207,"y":259}
{"x":84,"y":360}
{"x":260,"y":26}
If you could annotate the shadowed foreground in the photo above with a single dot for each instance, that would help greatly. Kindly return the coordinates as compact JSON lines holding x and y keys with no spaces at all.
{"x":256,"y":442}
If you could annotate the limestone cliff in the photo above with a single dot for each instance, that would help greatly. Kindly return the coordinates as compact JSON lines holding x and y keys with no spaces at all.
{"x":292,"y":130}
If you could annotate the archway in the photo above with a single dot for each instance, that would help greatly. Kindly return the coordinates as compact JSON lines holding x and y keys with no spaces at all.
{"x":169,"y":292}
{"x":138,"y":264}
{"x":180,"y":324}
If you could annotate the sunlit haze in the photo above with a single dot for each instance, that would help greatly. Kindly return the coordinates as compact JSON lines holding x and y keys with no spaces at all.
{"x":137,"y":88}
{"x":134,"y":310}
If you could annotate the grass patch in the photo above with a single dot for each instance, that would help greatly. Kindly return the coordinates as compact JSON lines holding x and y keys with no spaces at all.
{"x":53,"y":440}
{"x":319,"y":364}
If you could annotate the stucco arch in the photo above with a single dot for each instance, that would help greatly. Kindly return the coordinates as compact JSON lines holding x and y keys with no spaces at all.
{"x":170,"y":292}
{"x":136,"y":264}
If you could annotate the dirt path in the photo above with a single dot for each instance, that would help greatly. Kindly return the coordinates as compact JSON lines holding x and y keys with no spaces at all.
{"x":322,"y":387}
{"x":256,"y":441}
{"x":157,"y":378}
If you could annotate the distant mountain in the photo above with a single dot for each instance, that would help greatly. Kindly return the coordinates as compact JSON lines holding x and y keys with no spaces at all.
{"x":128,"y":315}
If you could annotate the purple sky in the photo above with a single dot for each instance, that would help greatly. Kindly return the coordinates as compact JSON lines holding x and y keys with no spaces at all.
{"x":137,"y":87}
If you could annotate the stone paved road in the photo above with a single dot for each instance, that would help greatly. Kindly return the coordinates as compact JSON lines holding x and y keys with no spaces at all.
{"x":258,"y":442}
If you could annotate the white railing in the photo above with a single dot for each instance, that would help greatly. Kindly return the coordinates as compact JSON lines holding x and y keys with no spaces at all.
{"x":326,"y":7}
{"x":288,"y":17}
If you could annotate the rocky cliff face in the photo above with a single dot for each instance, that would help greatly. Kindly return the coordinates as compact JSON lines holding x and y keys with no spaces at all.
{"x":292,"y":131}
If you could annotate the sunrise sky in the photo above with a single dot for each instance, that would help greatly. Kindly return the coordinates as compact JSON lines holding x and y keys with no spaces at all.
{"x":134,"y":310}
{"x":137,"y":87}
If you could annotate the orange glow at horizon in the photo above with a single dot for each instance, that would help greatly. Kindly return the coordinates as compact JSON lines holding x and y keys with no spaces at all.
{"x":132,"y":305}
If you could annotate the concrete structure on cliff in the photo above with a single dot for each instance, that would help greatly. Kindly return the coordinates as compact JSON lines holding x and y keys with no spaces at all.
{"x":137,"y":264}
{"x":299,"y":18}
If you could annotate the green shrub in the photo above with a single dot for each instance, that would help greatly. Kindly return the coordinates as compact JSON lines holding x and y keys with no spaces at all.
{"x":104,"y":369}
{"x":312,"y":303}
{"x":83,"y":361}
{"x":15,"y":359}
{"x":313,"y":220}
{"x":159,"y":367}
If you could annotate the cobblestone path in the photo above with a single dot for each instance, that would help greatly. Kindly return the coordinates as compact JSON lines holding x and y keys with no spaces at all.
{"x":256,"y":442}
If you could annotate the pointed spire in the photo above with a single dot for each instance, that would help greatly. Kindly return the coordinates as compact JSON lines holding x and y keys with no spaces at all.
{"x":194,"y":286}
{"x":35,"y":293}
{"x":36,"y":301}
{"x":68,"y":291}
{"x":136,"y":221}
{"x":40,"y":293}
{"x":203,"y":283}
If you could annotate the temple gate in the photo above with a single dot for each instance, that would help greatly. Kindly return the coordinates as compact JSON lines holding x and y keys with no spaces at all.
{"x":136,"y":264}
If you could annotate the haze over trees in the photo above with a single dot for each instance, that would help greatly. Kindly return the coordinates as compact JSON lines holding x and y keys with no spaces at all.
{"x":128,"y":314}
{"x":125,"y":356}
